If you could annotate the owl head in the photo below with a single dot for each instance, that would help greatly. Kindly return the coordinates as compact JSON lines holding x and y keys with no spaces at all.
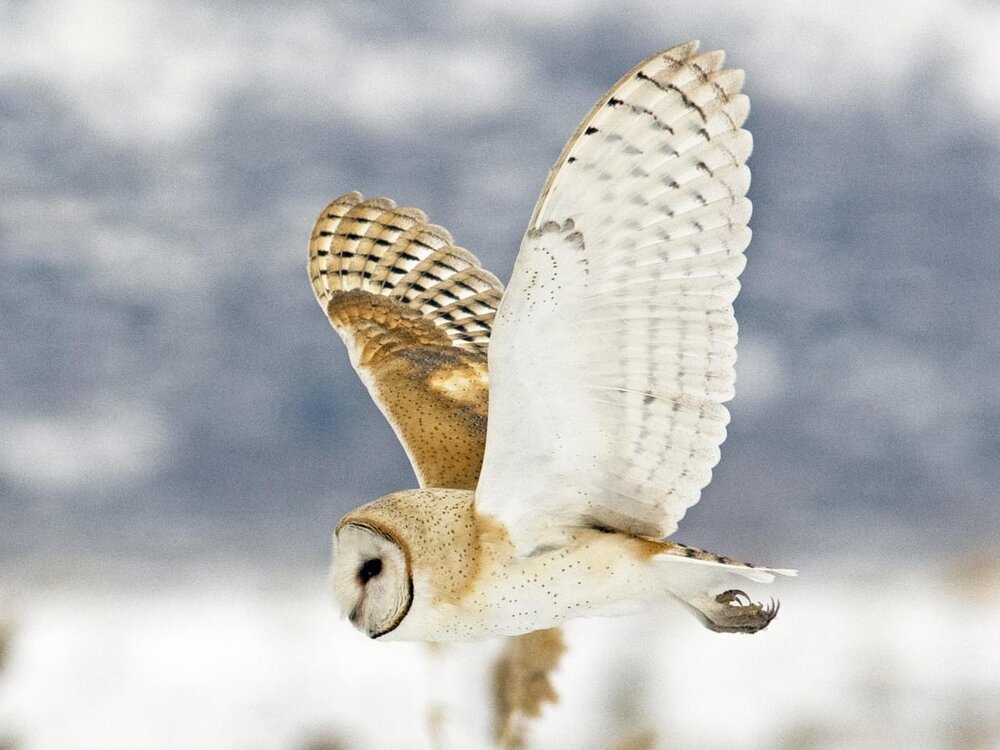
{"x":381,"y":548}
{"x":372,"y":581}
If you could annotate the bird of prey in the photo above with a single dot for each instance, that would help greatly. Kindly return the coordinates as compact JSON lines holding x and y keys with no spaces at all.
{"x":598,"y":377}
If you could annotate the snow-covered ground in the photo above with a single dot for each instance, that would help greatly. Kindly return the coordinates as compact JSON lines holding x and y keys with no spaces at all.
{"x":874,"y":658}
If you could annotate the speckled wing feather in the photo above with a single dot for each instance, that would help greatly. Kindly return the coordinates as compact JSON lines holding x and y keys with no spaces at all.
{"x":613,"y":349}
{"x":415,"y":312}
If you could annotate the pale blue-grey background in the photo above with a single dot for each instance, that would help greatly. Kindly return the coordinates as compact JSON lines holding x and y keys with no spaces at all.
{"x":169,"y":388}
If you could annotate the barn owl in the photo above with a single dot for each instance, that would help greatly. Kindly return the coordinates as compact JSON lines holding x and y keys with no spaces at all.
{"x":605,"y":365}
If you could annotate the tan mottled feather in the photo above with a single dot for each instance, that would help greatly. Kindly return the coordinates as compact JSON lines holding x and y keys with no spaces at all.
{"x":415,"y":312}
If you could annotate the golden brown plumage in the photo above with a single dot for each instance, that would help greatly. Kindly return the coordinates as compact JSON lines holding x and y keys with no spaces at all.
{"x":415,"y":312}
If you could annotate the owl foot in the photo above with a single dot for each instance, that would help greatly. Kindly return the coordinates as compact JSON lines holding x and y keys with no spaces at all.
{"x":736,"y":613}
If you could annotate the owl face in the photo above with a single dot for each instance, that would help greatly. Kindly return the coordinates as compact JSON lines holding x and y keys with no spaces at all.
{"x":372,"y":582}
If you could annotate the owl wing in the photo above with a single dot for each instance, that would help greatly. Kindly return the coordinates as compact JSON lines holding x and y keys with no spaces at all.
{"x":614,"y":345}
{"x":415,"y":312}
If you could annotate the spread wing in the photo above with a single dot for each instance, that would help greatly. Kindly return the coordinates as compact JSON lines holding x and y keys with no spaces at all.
{"x":415,"y":312}
{"x":614,"y":345}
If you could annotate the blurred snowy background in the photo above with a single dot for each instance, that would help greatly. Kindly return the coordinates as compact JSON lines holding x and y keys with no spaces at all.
{"x":180,"y":428}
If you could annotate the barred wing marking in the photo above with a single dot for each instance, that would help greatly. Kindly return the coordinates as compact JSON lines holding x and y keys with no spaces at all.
{"x":415,"y":312}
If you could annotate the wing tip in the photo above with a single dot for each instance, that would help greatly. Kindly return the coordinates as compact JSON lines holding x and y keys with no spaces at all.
{"x":680,"y":51}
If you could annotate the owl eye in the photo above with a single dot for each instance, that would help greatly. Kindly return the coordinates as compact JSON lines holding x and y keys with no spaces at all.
{"x":369,"y":569}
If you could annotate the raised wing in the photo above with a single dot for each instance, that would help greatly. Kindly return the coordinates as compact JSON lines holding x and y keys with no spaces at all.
{"x":614,"y":345}
{"x":415,"y":312}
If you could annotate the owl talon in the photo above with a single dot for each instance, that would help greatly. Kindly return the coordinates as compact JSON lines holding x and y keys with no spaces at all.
{"x":734,"y":597}
{"x":738,"y":614}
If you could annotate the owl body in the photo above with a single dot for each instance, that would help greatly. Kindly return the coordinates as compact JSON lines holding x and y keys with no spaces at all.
{"x":459,"y":576}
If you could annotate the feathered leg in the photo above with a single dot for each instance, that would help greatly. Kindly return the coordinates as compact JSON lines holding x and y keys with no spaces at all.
{"x":694,"y":578}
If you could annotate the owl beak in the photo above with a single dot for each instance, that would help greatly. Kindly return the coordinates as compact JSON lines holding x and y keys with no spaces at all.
{"x":355,"y":618}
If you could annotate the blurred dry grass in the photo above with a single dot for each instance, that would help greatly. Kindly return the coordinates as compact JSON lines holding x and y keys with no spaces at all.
{"x":326,"y":742}
{"x":643,"y":740}
{"x":973,"y":735}
{"x":522,"y":684}
{"x":975,"y":573}
{"x":6,"y":638}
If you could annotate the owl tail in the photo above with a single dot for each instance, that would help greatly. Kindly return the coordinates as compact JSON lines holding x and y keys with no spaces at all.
{"x":708,"y":586}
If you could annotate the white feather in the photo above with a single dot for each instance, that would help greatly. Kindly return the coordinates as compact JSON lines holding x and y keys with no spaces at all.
{"x":613,"y":347}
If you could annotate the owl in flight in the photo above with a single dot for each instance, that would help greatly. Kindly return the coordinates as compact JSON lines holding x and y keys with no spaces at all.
{"x":604,"y":367}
